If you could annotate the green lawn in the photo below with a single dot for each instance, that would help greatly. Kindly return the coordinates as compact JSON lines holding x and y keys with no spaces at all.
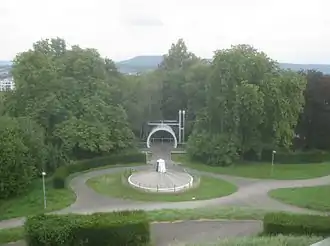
{"x":32,"y":202}
{"x":264,"y":240}
{"x":232,"y":213}
{"x":112,"y":185}
{"x":262,"y":170}
{"x":316,"y":198}
{"x":11,"y":235}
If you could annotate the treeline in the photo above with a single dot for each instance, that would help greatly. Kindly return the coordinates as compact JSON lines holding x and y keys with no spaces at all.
{"x":71,"y":104}
{"x":240,"y":105}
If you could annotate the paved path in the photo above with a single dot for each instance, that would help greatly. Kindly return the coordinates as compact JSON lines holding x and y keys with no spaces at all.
{"x":251,"y":193}
{"x":202,"y":231}
{"x":164,"y":234}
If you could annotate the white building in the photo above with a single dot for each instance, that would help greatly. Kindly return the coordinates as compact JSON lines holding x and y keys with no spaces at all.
{"x":7,"y":84}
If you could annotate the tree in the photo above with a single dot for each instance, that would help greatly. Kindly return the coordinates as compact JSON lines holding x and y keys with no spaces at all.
{"x":178,"y":57}
{"x":172,"y":74}
{"x":314,"y":122}
{"x":251,"y":105}
{"x":75,"y":95}
{"x":22,"y":154}
{"x":195,"y":86}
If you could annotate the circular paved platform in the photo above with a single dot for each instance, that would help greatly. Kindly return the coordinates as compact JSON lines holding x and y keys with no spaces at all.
{"x":171,"y":181}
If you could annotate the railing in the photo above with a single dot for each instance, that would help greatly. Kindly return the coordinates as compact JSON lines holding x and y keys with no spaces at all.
{"x":194,"y":182}
{"x":161,"y":140}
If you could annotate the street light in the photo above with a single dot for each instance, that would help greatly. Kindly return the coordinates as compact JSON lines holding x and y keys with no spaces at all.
{"x":183,"y":122}
{"x":44,"y":189}
{"x":180,"y":123}
{"x":273,"y":156}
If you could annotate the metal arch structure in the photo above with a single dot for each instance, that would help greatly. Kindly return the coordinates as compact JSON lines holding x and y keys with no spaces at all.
{"x":162,"y":127}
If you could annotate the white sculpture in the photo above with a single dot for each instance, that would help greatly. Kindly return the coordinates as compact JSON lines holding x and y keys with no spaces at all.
{"x":161,"y":166}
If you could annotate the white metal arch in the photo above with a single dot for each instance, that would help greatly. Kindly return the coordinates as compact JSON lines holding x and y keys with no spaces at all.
{"x":162,"y":127}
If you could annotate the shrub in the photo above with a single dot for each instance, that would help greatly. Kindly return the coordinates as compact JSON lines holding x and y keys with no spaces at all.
{"x":290,"y":157}
{"x":296,"y":224}
{"x":213,"y":149}
{"x":59,"y":177}
{"x":109,"y":229}
{"x":21,"y":155}
{"x":299,"y":157}
{"x":62,"y":173}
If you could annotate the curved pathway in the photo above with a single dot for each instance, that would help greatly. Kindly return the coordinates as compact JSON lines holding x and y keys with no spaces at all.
{"x":251,"y":193}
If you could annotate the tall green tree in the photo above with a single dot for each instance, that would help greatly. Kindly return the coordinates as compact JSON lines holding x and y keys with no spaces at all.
{"x":250,"y":104}
{"x":172,"y":73}
{"x":314,"y":123}
{"x":74,"y":94}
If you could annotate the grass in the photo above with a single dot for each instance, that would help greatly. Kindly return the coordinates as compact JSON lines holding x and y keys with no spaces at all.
{"x":316,"y":198}
{"x":232,"y":213}
{"x":11,"y":235}
{"x":279,"y":240}
{"x":261,"y":170}
{"x":112,"y":185}
{"x":32,"y":202}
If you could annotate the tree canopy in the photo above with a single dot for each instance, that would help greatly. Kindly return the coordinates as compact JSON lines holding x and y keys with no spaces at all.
{"x":74,"y":94}
{"x":250,"y":105}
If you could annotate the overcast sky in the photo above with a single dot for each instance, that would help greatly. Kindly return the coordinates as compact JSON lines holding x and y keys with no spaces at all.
{"x":295,"y":31}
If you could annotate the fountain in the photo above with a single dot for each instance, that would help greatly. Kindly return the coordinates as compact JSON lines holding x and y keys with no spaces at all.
{"x":161,"y":179}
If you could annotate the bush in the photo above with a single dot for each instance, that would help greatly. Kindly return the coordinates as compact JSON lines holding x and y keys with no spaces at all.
{"x":290,"y":157}
{"x":296,"y":224}
{"x":59,"y":177}
{"x":313,"y":156}
{"x":63,"y":172}
{"x":21,"y":155}
{"x":212,"y":149}
{"x":107,"y":229}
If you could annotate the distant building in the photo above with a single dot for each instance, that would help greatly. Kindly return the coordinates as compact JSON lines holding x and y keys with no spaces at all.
{"x":7,"y":83}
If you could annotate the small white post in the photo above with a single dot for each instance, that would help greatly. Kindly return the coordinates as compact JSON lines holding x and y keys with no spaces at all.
{"x":180,"y":126}
{"x":273,"y":158}
{"x":44,"y":189}
{"x":183,"y":122}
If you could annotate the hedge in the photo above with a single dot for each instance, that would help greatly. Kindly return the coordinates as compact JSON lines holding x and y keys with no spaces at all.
{"x":290,"y":157}
{"x":296,"y":224}
{"x":299,"y":157}
{"x":63,"y":172}
{"x":126,"y":228}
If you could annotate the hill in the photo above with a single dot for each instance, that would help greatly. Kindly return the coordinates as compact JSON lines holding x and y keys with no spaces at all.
{"x":5,"y":63}
{"x":141,"y":64}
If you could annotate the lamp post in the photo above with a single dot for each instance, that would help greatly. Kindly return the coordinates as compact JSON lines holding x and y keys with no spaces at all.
{"x":180,"y":125}
{"x":44,"y":189}
{"x":183,"y":121}
{"x":273,"y":157}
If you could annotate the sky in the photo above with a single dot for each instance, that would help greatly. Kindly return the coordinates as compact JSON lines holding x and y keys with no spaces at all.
{"x":296,"y":31}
